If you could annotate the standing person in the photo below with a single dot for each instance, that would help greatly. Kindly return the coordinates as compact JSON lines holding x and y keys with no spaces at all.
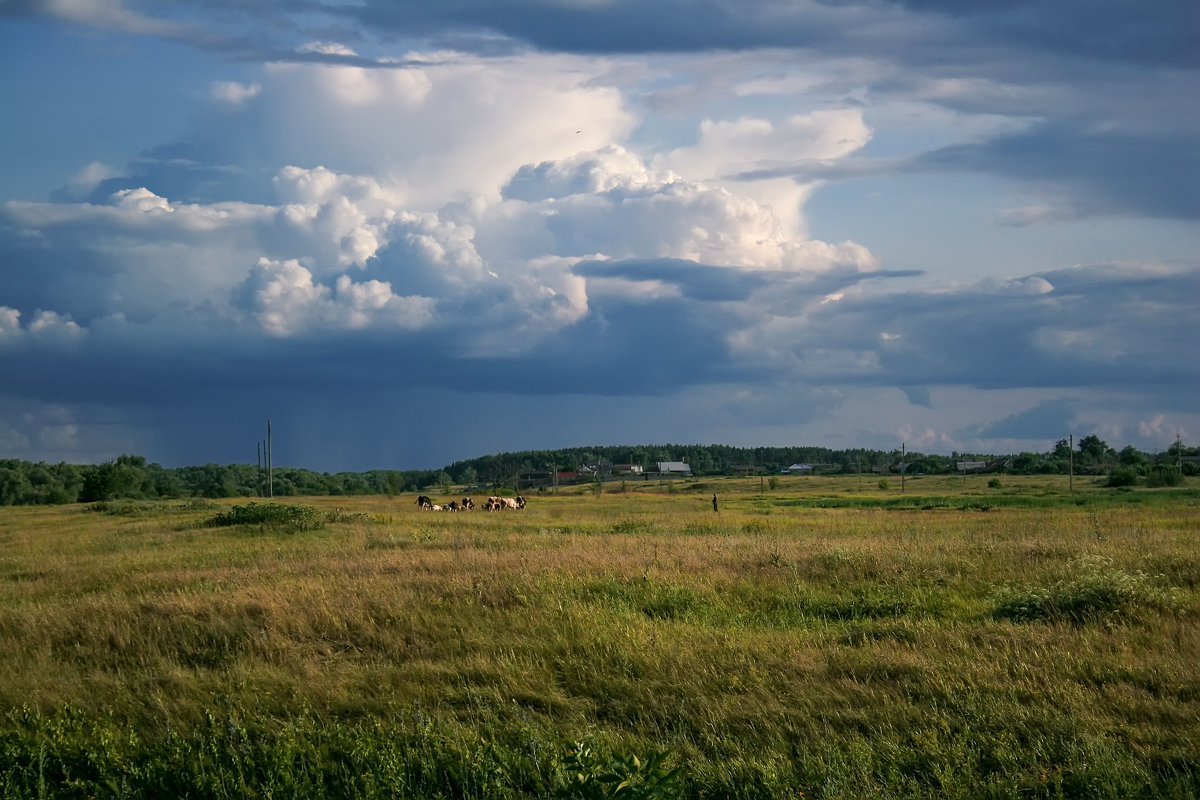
{"x":714,"y":502}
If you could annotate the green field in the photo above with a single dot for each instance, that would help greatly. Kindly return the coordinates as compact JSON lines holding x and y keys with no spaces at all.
{"x":825,"y":638}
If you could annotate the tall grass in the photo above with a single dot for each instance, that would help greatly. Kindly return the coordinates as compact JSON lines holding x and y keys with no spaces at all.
{"x":773,"y":650}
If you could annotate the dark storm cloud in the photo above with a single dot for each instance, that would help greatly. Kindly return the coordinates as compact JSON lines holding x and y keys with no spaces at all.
{"x":623,"y":26}
{"x":1103,"y":172}
{"x":1095,"y":329}
{"x":1046,"y":420}
{"x":1082,"y":167}
{"x":917,"y":33}
{"x":1163,"y":32}
{"x":1158,"y":32}
{"x":1098,"y":327}
{"x":705,"y":282}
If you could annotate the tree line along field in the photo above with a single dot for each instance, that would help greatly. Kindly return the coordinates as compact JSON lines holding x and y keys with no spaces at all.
{"x":823,"y":639}
{"x":131,"y":476}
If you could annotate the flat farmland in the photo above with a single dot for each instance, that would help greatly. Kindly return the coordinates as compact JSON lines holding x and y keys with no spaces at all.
{"x":818,"y":638}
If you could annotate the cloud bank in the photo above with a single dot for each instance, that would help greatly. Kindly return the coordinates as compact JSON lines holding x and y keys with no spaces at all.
{"x":412,"y":234}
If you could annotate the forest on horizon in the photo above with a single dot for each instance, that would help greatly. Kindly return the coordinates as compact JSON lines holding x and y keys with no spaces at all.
{"x":131,"y":476}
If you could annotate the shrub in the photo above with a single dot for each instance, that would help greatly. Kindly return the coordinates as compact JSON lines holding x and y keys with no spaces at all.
{"x":1122,"y":476}
{"x":883,"y":483}
{"x":1164,"y":476}
{"x":994,"y":483}
{"x":124,"y":507}
{"x":272,"y":516}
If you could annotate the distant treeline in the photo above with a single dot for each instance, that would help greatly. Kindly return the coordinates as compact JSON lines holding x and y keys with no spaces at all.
{"x":130,"y":476}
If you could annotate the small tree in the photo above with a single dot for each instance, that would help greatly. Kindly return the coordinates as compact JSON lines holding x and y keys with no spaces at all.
{"x":1094,"y":449}
{"x":1130,"y":456}
{"x":124,"y":476}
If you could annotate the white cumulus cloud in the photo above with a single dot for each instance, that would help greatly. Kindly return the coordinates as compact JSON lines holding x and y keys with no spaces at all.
{"x":233,"y":93}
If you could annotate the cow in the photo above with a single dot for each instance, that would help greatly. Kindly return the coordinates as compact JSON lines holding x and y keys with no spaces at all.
{"x":467,"y":504}
{"x":424,"y":502}
{"x":500,"y":503}
{"x":452,"y":505}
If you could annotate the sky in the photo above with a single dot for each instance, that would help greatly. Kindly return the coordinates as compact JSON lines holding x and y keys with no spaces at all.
{"x":411,"y":233}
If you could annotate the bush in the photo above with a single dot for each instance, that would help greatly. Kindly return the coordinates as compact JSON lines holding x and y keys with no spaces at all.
{"x":994,"y":483}
{"x":883,"y":483}
{"x":1164,"y":476}
{"x":124,"y":507}
{"x":1122,"y":476}
{"x":273,"y":516}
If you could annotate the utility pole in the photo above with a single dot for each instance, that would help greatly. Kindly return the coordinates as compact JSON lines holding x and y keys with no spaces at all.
{"x":258,"y":464}
{"x":1071,"y":464}
{"x":270,"y":465}
{"x":902,"y":468}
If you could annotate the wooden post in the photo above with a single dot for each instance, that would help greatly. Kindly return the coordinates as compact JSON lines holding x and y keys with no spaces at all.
{"x":270,"y":465}
{"x":1071,"y":464}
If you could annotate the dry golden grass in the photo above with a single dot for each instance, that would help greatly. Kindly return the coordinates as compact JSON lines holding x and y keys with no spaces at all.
{"x":773,"y":646}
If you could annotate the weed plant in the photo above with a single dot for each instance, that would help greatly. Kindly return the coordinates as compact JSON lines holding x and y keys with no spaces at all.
{"x":1096,"y":593}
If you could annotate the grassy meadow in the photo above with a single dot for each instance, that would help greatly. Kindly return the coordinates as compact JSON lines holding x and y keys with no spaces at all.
{"x":823,"y":638}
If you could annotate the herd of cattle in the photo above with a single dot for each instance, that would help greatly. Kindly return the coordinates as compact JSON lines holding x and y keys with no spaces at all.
{"x":467,"y":504}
